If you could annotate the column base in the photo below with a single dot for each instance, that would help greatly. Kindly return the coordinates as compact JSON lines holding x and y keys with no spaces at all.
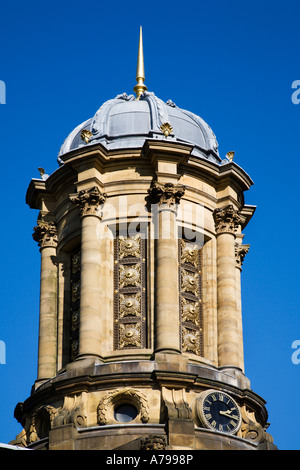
{"x":84,"y":361}
{"x":238,"y":373}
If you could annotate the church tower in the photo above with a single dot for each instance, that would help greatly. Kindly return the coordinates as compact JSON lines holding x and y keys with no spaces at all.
{"x":140,"y":231}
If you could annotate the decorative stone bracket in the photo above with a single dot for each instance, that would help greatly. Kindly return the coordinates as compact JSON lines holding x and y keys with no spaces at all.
{"x":176,"y":404}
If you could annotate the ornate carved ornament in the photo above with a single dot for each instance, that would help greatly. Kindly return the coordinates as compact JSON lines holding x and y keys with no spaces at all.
{"x":130,"y":305}
{"x":45,"y":234}
{"x":130,"y":275}
{"x":130,"y":247}
{"x":86,"y":135}
{"x":130,"y":335}
{"x":240,"y":253}
{"x":166,"y":129}
{"x":251,"y":429}
{"x":88,"y":201}
{"x":189,"y":253}
{"x":41,"y":423}
{"x":153,"y":442}
{"x":189,"y":282}
{"x":227,"y":219}
{"x":166,"y":193}
{"x":191,"y":341}
{"x":74,"y":410}
{"x":106,"y":406}
{"x":190,"y":311}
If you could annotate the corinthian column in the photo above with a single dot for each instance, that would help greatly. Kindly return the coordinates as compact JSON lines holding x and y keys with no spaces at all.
{"x":164,"y":198}
{"x":88,"y":202}
{"x":46,"y":235}
{"x":227,"y":221}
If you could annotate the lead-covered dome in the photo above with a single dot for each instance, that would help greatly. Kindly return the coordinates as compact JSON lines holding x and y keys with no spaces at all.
{"x":126,"y":122}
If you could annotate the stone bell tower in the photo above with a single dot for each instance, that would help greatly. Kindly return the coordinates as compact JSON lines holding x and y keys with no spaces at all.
{"x":140,"y":231}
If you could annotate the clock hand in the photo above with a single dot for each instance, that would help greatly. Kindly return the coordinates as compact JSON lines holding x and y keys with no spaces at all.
{"x":228,"y":413}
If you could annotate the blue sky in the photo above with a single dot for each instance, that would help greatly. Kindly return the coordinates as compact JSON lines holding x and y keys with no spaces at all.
{"x":231,"y":62}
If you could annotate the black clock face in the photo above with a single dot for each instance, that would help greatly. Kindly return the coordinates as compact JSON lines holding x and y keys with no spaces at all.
{"x":220,"y":412}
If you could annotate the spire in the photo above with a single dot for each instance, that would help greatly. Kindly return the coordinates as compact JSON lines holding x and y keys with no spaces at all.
{"x":140,"y":70}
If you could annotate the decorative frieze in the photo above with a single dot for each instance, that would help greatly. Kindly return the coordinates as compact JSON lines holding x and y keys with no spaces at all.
{"x":45,"y":234}
{"x":227,"y":219}
{"x":166,"y":193}
{"x":190,"y":297}
{"x":130,"y":292}
{"x":88,"y":201}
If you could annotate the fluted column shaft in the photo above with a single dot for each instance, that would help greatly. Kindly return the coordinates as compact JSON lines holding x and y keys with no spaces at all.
{"x":45,"y":234}
{"x":165,"y":198}
{"x":90,"y":279}
{"x":227,"y":221}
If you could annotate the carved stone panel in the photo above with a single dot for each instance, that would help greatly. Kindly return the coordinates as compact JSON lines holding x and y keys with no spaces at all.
{"x":130,"y":293}
{"x":190,"y":301}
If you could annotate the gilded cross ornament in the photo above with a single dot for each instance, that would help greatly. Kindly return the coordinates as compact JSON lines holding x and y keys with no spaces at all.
{"x":88,"y":201}
{"x":166,"y":193}
{"x":227,"y":219}
{"x":45,"y":233}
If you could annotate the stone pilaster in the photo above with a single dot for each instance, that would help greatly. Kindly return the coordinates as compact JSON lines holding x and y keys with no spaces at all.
{"x":90,"y":330}
{"x":164,"y":198}
{"x":240,"y":253}
{"x":227,"y":221}
{"x":45,"y":234}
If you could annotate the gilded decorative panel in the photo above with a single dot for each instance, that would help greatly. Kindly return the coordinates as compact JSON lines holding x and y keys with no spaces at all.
{"x":130,"y":292}
{"x":190,"y":301}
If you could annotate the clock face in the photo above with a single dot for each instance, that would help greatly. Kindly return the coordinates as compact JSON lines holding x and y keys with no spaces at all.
{"x":218,"y":411}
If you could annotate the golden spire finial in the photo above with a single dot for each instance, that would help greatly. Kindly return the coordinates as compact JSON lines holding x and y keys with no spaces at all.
{"x":140,"y":70}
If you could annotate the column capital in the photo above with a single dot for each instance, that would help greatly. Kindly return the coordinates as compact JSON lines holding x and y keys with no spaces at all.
{"x":45,"y":234}
{"x":240,"y":253}
{"x":166,"y":193}
{"x":227,"y":219}
{"x":88,"y":201}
